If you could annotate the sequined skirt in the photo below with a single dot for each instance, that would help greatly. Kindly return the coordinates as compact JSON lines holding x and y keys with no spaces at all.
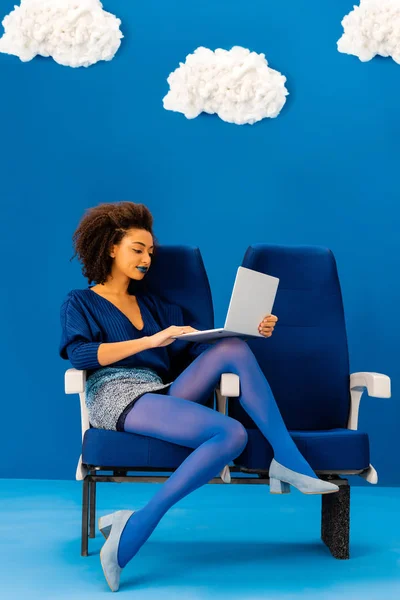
{"x":112,"y":391}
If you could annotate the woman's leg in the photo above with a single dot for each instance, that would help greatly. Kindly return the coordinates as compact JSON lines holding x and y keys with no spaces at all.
{"x":217,"y":440}
{"x":233,"y":355}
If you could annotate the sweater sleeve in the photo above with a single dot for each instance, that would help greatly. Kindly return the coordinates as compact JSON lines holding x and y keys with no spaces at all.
{"x":77,"y":341}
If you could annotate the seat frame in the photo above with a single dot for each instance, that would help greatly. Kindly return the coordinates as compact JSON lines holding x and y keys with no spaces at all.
{"x":335,"y":508}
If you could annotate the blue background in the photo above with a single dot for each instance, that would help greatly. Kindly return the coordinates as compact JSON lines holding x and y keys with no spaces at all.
{"x":324,"y":172}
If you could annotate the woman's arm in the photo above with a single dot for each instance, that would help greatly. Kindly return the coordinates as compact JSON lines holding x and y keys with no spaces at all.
{"x":109,"y":353}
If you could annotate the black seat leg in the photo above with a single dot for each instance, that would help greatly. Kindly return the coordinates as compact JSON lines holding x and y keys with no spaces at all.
{"x":85,"y":517}
{"x":92,"y":510}
{"x":335,"y":521}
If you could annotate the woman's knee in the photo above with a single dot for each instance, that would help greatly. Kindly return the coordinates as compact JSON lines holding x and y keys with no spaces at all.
{"x":234,"y":342}
{"x":233,"y":352}
{"x":236,"y":436}
{"x":233,"y":348}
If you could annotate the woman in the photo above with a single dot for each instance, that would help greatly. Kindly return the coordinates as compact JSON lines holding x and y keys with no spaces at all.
{"x":124,"y":341}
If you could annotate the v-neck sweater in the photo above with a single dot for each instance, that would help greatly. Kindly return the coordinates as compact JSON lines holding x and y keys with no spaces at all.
{"x":88,"y":320}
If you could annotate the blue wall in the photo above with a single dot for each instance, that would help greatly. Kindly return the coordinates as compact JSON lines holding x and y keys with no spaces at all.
{"x":324,"y":172}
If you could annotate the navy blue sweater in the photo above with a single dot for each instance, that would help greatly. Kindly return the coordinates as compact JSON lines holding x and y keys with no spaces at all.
{"x":88,"y":320}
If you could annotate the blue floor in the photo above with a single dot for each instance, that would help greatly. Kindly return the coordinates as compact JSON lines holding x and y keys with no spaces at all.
{"x":223,"y":541}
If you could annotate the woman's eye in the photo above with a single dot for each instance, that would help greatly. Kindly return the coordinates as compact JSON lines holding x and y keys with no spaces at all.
{"x":140,"y":252}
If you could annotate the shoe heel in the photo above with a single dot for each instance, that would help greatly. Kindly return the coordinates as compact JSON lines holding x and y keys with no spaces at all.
{"x":105,"y":524}
{"x":278,"y":487}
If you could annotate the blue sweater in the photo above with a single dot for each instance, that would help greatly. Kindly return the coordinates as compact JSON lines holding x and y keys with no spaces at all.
{"x":88,"y":320}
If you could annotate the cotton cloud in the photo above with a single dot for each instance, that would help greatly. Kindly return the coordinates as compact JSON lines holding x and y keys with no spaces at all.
{"x":235,"y":84}
{"x":75,"y":33}
{"x":372,"y":28}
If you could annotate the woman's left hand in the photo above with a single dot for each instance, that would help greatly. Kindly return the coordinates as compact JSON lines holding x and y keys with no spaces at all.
{"x":267,"y":325}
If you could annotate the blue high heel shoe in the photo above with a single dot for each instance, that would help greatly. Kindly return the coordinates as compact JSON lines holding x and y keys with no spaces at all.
{"x":109,"y":552}
{"x":281,"y":478}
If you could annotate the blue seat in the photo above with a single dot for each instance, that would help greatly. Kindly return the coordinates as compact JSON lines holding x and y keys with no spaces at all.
{"x":306,"y":363}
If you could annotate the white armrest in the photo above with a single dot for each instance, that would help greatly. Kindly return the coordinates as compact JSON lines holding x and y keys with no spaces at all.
{"x":229,"y":385}
{"x":376,"y":384}
{"x":74,"y":381}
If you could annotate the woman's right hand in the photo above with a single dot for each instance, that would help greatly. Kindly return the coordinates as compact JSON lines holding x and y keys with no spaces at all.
{"x":164,"y":337}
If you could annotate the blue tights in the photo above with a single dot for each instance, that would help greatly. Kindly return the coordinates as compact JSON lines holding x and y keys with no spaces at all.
{"x":181,"y":418}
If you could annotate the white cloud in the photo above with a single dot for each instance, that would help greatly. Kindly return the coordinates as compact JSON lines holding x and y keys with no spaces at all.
{"x":372,"y":28}
{"x":75,"y":33}
{"x":235,"y":84}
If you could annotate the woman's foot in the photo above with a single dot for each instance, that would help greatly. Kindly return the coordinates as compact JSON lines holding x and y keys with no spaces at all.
{"x":281,"y":477}
{"x":109,"y":551}
{"x":105,"y":523}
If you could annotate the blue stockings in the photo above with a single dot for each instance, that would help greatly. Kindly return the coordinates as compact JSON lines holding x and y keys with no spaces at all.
{"x":181,"y":418}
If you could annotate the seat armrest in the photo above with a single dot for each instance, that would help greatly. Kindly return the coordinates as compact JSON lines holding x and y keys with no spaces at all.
{"x":376,"y":384}
{"x":74,"y":381}
{"x":229,"y":385}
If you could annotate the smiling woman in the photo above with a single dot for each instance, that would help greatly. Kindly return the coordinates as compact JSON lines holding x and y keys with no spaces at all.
{"x":119,"y":234}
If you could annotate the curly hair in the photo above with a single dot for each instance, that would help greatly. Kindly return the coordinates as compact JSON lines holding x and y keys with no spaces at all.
{"x":100,"y":228}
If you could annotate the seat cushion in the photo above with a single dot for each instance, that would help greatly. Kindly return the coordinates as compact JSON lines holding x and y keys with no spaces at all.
{"x":117,"y":449}
{"x":333,"y":450}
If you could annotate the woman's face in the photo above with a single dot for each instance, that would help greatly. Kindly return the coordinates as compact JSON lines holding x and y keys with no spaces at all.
{"x":132,"y":256}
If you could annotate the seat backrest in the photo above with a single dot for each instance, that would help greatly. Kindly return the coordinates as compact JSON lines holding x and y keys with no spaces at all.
{"x":178,"y":275}
{"x":306,"y":360}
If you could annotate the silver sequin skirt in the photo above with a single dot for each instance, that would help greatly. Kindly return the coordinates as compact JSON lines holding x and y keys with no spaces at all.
{"x":112,"y":391}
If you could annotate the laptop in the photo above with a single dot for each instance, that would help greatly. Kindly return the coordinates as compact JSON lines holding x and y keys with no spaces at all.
{"x":252,"y":299}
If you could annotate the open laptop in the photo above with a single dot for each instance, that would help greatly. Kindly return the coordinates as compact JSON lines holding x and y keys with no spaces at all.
{"x":252,"y":299}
